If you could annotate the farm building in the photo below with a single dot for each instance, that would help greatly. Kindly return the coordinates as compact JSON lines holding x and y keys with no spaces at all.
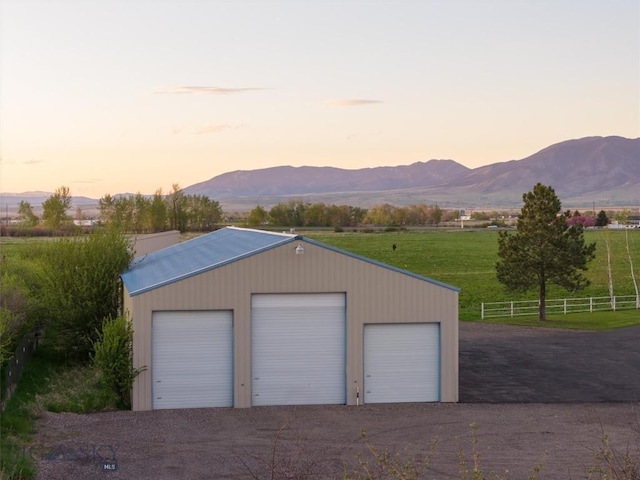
{"x":242,"y":318}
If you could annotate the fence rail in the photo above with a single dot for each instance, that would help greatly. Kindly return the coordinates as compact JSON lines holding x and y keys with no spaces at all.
{"x":15,"y":365}
{"x":560,"y":306}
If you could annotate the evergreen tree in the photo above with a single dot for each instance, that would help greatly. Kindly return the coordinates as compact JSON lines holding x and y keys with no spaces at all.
{"x":545,"y":250}
{"x":602,"y":220}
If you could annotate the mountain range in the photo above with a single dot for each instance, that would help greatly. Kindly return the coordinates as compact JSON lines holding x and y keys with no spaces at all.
{"x":592,"y":170}
{"x":599,"y":171}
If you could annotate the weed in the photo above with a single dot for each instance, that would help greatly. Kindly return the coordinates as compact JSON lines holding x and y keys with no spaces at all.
{"x":383,"y":464}
{"x":287,"y":459}
{"x":613,"y":464}
{"x":476,"y":472}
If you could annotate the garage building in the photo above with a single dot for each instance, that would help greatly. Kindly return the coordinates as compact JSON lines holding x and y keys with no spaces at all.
{"x":241,"y":318}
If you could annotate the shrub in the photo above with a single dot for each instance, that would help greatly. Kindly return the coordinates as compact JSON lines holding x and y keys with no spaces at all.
{"x":5,"y":337}
{"x":82,"y":287}
{"x":113,"y":355}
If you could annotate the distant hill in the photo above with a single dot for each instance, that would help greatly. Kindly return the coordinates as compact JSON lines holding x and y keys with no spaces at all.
{"x":600,"y":171}
{"x":308,"y":180}
{"x":604,"y":170}
{"x":9,"y":202}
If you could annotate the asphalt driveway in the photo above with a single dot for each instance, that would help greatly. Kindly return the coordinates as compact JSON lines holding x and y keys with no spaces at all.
{"x":504,"y":364}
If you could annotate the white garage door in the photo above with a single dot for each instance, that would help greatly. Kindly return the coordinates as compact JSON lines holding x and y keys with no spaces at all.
{"x":298,"y":349}
{"x":402,"y":363}
{"x":192,"y":359}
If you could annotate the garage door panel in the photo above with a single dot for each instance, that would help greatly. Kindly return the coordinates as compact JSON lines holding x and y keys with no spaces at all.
{"x":402,"y":363}
{"x":192,"y":359}
{"x":298,"y":349}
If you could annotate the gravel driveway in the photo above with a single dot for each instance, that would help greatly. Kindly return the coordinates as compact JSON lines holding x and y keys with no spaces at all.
{"x":525,"y":390}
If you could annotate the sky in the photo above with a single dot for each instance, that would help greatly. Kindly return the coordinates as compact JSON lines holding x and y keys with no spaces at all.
{"x":111,"y":96}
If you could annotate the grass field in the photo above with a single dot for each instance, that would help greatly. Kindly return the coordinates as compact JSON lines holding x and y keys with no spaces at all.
{"x":466,"y":259}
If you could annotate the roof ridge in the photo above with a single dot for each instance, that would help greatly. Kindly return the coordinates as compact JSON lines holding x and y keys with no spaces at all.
{"x":268,"y":232}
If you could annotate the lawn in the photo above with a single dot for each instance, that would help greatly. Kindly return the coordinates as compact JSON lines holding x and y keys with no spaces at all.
{"x":465,"y":258}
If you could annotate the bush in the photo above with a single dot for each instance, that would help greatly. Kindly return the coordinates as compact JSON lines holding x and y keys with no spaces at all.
{"x":82,"y":287}
{"x":5,"y":334}
{"x":113,"y":355}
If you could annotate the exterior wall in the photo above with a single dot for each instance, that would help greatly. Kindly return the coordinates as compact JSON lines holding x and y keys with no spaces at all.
{"x":374,"y":295}
{"x":143,"y":244}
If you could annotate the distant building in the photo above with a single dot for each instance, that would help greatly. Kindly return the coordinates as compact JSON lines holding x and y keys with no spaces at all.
{"x":85,"y":223}
{"x":464,"y":215}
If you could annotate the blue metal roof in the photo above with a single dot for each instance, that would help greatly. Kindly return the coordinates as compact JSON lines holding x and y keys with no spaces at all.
{"x":198,"y":255}
{"x":219,"y":248}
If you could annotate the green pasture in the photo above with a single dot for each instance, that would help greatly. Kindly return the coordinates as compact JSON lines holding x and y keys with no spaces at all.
{"x":465,"y":258}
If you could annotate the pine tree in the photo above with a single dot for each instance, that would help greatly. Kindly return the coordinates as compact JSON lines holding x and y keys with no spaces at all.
{"x":545,"y":250}
{"x":602,"y":220}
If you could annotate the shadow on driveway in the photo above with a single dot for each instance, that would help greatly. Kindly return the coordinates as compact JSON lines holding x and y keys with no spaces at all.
{"x":503,"y":363}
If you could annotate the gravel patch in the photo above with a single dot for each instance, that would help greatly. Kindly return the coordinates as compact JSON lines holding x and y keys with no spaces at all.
{"x":233,"y":443}
{"x":537,"y":397}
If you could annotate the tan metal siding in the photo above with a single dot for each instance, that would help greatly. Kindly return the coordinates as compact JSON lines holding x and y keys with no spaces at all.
{"x":143,"y":244}
{"x":374,"y":295}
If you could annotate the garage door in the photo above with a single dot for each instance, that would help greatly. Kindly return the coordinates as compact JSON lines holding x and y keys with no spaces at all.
{"x":298,"y":349}
{"x":192,"y":359}
{"x":402,"y":363}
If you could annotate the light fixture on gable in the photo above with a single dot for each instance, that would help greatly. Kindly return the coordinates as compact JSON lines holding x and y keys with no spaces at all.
{"x":299,"y":249}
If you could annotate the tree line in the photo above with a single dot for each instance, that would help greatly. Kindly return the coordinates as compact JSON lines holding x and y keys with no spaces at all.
{"x":132,"y":213}
{"x":177,"y":210}
{"x":296,"y":213}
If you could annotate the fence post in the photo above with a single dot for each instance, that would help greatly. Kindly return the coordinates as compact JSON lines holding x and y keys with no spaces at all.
{"x":512,"y":309}
{"x":613,"y":304}
{"x":564,"y":305}
{"x":590,"y":304}
{"x":482,"y":310}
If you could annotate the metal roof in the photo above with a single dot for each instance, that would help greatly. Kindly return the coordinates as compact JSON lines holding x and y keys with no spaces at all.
{"x":198,"y":255}
{"x":219,"y":248}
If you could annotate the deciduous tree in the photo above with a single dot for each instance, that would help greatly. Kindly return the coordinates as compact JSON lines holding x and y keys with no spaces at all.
{"x":54,"y":208}
{"x":257,"y":216}
{"x":545,"y":250}
{"x":26,"y":216}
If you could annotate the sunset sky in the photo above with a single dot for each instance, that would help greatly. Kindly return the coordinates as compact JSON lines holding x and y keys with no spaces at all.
{"x":109,"y":96}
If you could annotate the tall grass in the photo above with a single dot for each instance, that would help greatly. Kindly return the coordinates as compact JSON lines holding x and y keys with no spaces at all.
{"x":47,"y":384}
{"x":465,"y":258}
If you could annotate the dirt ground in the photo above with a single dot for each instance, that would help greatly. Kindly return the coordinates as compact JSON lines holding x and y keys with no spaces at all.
{"x":537,"y":397}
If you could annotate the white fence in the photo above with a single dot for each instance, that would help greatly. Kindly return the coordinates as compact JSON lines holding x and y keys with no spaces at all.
{"x":560,"y":306}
